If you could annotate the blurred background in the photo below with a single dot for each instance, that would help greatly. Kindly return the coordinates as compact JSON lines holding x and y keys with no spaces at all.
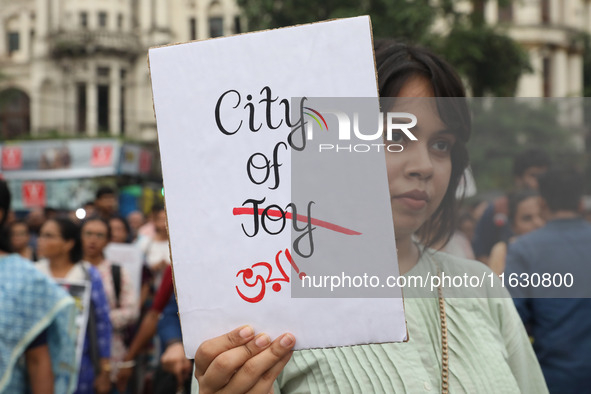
{"x":76,"y":104}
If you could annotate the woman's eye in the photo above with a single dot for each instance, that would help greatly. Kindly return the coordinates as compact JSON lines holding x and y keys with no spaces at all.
{"x":442,"y":146}
{"x":397,"y":138}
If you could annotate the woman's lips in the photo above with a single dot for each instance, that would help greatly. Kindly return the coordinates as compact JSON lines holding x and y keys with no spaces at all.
{"x":414,"y":200}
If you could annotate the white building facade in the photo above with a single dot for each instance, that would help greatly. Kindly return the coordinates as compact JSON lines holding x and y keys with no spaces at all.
{"x":79,"y":67}
{"x":550,"y":30}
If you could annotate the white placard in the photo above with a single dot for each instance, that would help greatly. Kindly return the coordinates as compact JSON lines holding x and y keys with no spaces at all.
{"x":209,"y":97}
{"x":129,"y":257}
{"x":80,"y":292}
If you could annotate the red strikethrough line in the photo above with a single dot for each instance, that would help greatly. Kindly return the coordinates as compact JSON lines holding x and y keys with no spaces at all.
{"x":301,"y":218}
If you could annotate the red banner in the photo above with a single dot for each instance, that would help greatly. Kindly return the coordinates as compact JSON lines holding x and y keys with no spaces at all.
{"x":102,"y":155}
{"x":12,"y":158}
{"x":34,"y":194}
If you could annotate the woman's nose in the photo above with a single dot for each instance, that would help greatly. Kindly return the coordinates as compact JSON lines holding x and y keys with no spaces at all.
{"x":418,"y":161}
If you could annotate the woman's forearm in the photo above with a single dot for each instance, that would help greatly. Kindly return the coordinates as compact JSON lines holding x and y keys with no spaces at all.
{"x":39,"y":370}
{"x":145,"y":332}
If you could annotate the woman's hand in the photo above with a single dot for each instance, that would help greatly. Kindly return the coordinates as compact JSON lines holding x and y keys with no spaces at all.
{"x":123,"y":376}
{"x":102,"y":383}
{"x":173,"y":360}
{"x":239,"y":362}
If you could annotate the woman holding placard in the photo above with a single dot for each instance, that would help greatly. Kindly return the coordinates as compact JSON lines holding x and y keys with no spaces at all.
{"x":472,"y":344}
{"x":61,"y":248}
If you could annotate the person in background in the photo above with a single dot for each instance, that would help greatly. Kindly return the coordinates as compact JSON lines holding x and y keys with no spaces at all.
{"x":105,"y":203}
{"x":136,"y":220}
{"x":50,"y":213}
{"x":89,"y":209}
{"x":123,"y":302}
{"x":162,"y":318}
{"x":586,"y":208}
{"x":37,"y":332}
{"x":560,"y":326}
{"x":119,"y":229}
{"x":20,"y":238}
{"x":525,"y":215}
{"x":494,"y":226}
{"x":147,"y":229}
{"x":156,"y":249}
{"x":35,"y":219}
{"x":60,"y":246}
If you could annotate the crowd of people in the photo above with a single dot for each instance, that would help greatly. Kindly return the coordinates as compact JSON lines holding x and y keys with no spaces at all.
{"x":477,"y":343}
{"x":118,"y":354}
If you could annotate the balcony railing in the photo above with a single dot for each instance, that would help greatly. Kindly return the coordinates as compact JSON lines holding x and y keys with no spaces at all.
{"x":85,"y":42}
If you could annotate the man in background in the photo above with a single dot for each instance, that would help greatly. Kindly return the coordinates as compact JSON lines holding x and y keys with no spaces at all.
{"x":548,"y":265}
{"x":105,"y":203}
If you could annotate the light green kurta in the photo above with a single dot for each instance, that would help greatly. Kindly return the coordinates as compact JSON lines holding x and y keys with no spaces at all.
{"x":489,"y":351}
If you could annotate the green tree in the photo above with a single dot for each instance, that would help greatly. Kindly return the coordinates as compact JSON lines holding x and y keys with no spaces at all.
{"x":503,"y":127}
{"x":491,"y":61}
{"x":390,"y":18}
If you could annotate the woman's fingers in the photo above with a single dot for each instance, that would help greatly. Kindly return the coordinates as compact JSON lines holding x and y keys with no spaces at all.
{"x":258,"y":372}
{"x":265,"y":383}
{"x":224,"y":366}
{"x":212,"y":348}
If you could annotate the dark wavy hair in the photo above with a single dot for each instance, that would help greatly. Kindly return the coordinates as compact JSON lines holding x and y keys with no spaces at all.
{"x":398,"y":62}
{"x":517,"y":198}
{"x":70,"y":231}
{"x":125,"y":224}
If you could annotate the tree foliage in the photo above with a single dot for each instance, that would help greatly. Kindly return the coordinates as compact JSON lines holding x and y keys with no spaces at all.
{"x":405,"y":19}
{"x":491,"y":62}
{"x":504,"y":127}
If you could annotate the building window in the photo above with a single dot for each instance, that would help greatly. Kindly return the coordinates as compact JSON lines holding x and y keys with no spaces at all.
{"x":547,"y":76}
{"x":122,"y":124}
{"x":120,"y":22}
{"x":505,"y":13}
{"x":545,"y":9}
{"x":216,"y":27}
{"x":81,"y":107}
{"x":103,"y":72}
{"x":13,"y":42}
{"x":103,"y":108}
{"x":14,"y":114}
{"x":102,"y":19}
{"x":192,"y":29}
{"x":237,"y":25}
{"x":84,"y":19}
